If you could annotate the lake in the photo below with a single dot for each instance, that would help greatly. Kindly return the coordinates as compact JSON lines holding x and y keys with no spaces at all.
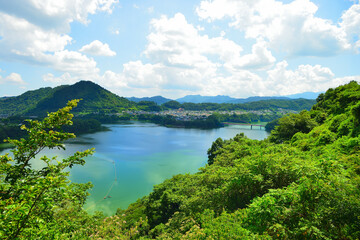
{"x":133,"y":157}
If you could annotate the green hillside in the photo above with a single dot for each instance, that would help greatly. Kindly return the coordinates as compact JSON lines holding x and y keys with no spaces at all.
{"x":39,"y":102}
{"x":19,"y":104}
{"x":94,"y":99}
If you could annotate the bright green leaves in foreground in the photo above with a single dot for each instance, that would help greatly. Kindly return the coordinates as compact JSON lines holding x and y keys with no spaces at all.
{"x":35,"y":201}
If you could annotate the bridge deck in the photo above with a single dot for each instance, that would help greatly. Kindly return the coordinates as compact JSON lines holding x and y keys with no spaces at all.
{"x":244,"y":124}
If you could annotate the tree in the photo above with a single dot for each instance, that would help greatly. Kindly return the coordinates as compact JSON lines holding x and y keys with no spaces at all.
{"x":172,"y":105}
{"x":291,"y":124}
{"x":31,"y":199}
{"x":214,"y":150}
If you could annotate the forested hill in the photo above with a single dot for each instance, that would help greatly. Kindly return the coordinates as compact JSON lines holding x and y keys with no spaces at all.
{"x":156,"y":99}
{"x":94,"y":98}
{"x":27,"y":100}
{"x":39,"y":102}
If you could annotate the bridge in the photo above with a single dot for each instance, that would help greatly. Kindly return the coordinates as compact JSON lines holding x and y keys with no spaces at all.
{"x":245,"y":124}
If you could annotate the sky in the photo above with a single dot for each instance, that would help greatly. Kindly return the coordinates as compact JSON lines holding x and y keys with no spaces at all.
{"x":174,"y":48}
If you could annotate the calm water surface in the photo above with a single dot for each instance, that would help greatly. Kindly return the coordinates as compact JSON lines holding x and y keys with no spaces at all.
{"x":132,"y":158}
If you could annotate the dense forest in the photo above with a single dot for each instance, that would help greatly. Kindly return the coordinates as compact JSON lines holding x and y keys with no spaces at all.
{"x":303,"y":182}
{"x":169,"y":121}
{"x":272,"y":104}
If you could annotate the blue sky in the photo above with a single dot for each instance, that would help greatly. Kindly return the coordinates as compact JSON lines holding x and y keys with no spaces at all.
{"x":239,"y":48}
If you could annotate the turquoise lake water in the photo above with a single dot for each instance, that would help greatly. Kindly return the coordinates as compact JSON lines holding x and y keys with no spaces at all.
{"x":133,"y":157}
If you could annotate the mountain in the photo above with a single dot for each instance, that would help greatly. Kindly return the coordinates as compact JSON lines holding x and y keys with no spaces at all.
{"x":227,"y":99}
{"x":205,"y":99}
{"x":3,"y":98}
{"x":306,"y":95}
{"x":94,"y":98}
{"x":255,"y":99}
{"x":157,"y":99}
{"x":39,"y":102}
{"x":19,"y":104}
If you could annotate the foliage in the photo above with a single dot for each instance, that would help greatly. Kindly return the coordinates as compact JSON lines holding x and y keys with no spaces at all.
{"x":35,"y":200}
{"x":271,"y":104}
{"x":291,"y":124}
{"x":80,"y":126}
{"x":301,"y":183}
{"x":170,"y":121}
{"x":307,"y":187}
{"x":248,"y":117}
{"x":214,"y":150}
{"x":27,"y":100}
{"x":271,"y":125}
{"x":95,"y":99}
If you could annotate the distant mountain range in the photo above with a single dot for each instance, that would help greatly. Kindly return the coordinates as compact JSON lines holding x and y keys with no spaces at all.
{"x":224,"y":99}
{"x":205,"y":99}
{"x":157,"y":99}
{"x":306,"y":95}
{"x":255,"y":99}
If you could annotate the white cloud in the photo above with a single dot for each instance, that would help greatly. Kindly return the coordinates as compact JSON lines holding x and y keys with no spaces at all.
{"x":175,"y":42}
{"x":13,"y":78}
{"x":351,"y":24}
{"x":74,"y":65}
{"x":98,"y":48}
{"x":65,"y":78}
{"x":182,"y":61}
{"x":181,"y":57}
{"x":35,"y":32}
{"x":291,"y":28}
{"x":49,"y":14}
{"x":305,"y":78}
{"x":23,"y":39}
{"x":73,"y":62}
{"x":260,"y":58}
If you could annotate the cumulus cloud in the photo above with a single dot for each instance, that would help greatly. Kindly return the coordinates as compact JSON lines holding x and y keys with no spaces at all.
{"x":21,"y":38}
{"x":183,"y":61}
{"x":351,"y":24}
{"x":305,"y":78}
{"x":73,"y":62}
{"x":13,"y":78}
{"x":36,"y":32}
{"x":179,"y":57}
{"x":98,"y":48}
{"x":49,"y":14}
{"x":65,"y":78}
{"x":291,"y":28}
{"x":259,"y":58}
